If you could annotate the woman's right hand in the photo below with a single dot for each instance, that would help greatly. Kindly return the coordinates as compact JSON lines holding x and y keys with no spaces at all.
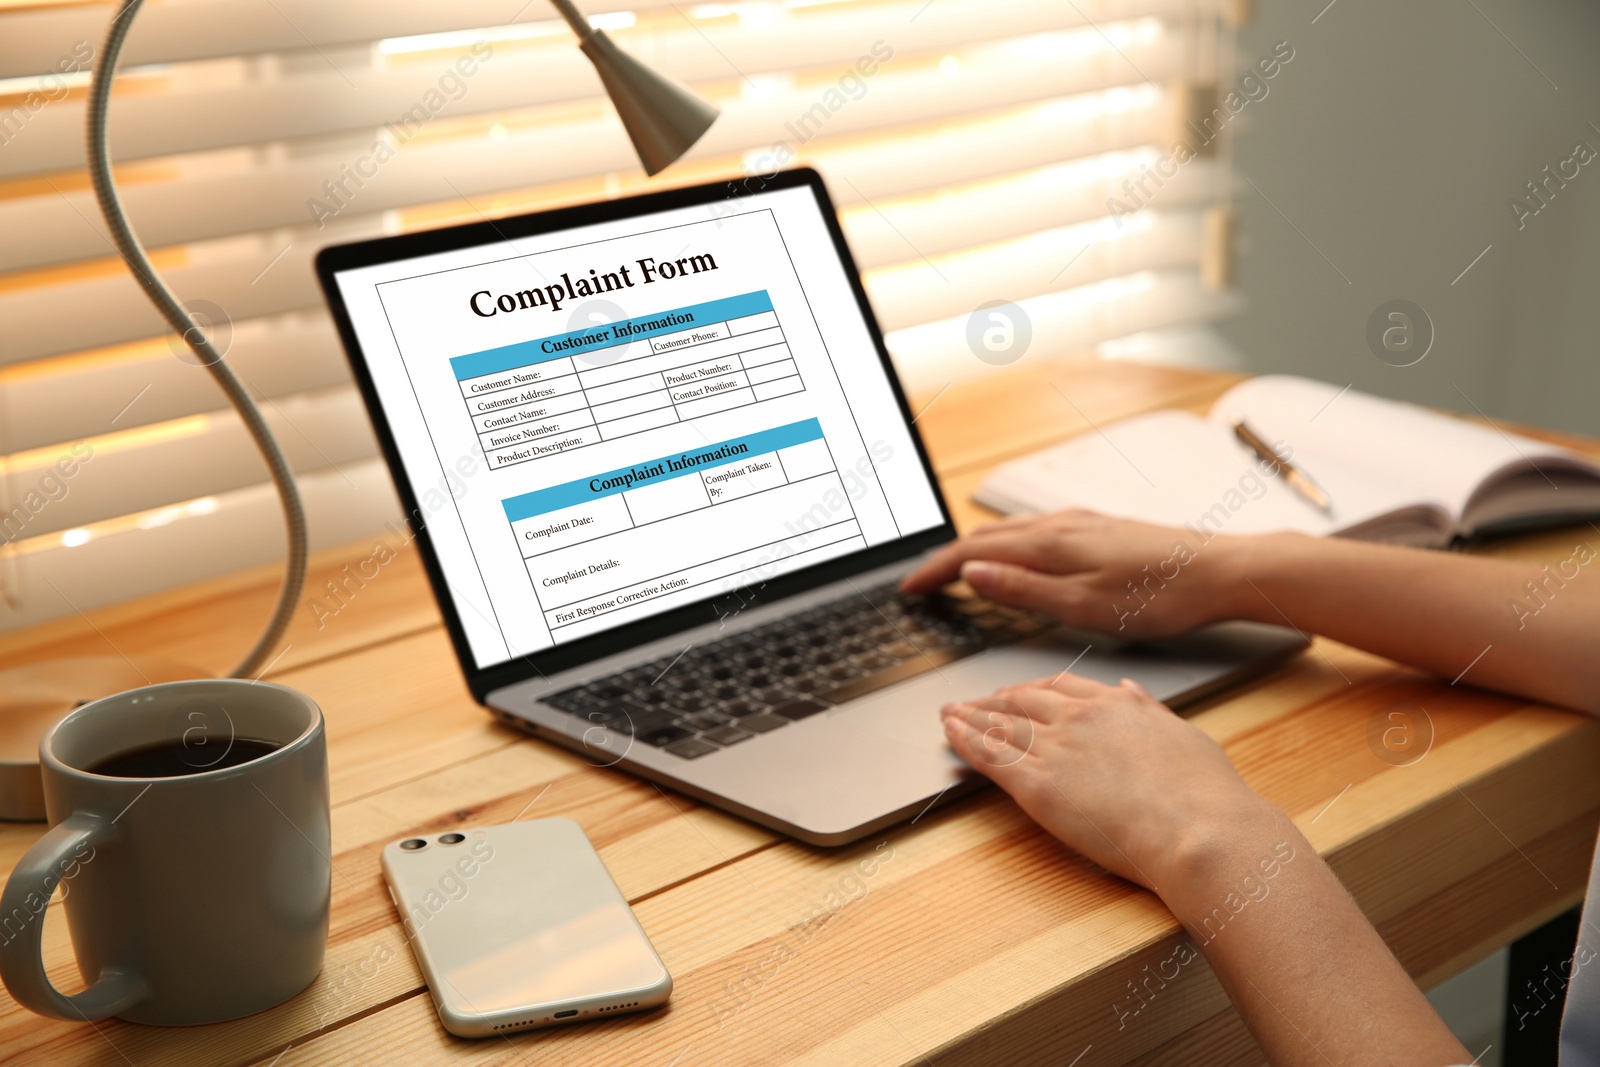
{"x":1088,"y":570}
{"x":1113,"y":773}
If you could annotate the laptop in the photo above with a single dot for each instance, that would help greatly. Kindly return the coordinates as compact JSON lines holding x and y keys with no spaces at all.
{"x":664,"y":481}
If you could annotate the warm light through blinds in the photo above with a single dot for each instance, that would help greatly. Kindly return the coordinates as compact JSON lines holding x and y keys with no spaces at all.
{"x":975,"y":148}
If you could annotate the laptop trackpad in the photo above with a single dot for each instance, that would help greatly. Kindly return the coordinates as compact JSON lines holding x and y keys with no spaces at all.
{"x":908,"y":713}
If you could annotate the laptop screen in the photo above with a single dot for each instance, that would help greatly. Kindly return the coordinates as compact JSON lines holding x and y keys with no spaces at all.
{"x":605,"y":422}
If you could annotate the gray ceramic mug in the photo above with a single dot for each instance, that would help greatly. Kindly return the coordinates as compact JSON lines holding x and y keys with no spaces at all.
{"x":190,"y":899}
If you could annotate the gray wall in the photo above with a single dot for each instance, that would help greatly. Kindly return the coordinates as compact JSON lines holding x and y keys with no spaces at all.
{"x":1394,"y":140}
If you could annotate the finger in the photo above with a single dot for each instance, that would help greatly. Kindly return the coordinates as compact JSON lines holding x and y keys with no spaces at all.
{"x":961,"y":739}
{"x":1014,"y":522}
{"x":989,"y":737}
{"x":1024,"y":547}
{"x":1020,"y":586}
{"x":925,"y":578}
{"x":1069,"y":684}
{"x":1039,"y":703}
{"x":1067,"y":518}
{"x":1136,"y":688}
{"x":939,"y":569}
{"x":984,"y":750}
{"x":943,"y":562}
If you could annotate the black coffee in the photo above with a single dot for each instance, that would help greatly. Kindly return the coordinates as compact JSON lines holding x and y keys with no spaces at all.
{"x":172,"y":759}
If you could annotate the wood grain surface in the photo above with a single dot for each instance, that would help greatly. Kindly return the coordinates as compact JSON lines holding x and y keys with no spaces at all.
{"x":975,"y":939}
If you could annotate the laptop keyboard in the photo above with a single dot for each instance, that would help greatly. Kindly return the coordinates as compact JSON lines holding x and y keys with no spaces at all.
{"x":724,"y":692}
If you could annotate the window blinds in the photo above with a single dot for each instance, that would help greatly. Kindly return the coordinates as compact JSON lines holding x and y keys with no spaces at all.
{"x":979,"y":150}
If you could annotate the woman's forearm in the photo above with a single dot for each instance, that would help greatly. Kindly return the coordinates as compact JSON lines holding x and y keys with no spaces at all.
{"x":1156,"y":801}
{"x":1514,"y":627}
{"x":1307,"y":973}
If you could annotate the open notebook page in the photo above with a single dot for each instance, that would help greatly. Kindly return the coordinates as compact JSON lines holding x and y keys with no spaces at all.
{"x":1420,"y":456}
{"x":1175,"y":469}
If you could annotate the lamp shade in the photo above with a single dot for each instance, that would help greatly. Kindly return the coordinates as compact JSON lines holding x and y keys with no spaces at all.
{"x":662,"y":117}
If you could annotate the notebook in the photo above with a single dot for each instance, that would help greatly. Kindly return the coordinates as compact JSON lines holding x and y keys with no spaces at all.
{"x":1395,"y":472}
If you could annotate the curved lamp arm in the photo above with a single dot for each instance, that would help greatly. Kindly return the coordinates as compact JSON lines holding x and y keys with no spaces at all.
{"x":105,"y":191}
{"x":662,"y":118}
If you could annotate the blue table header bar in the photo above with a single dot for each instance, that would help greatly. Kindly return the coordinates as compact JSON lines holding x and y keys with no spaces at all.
{"x":527,"y":353}
{"x":569,"y":494}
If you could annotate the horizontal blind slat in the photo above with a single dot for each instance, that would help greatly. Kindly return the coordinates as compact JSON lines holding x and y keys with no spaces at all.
{"x":48,"y":580}
{"x":910,"y":291}
{"x":242,"y":528}
{"x":283,"y":355}
{"x":924,"y":290}
{"x":150,"y":120}
{"x":156,"y":380}
{"x":207,"y":29}
{"x":932,"y":355}
{"x":109,"y":308}
{"x":57,"y":227}
{"x":964,"y":216}
{"x":52,"y":319}
{"x":979,"y":164}
{"x":160,"y":465}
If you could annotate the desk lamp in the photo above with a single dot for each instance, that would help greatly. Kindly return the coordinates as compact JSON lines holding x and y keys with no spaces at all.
{"x":662,"y":118}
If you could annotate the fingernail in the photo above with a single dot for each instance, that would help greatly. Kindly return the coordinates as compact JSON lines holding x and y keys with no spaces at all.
{"x":1129,"y":683}
{"x":977,"y":570}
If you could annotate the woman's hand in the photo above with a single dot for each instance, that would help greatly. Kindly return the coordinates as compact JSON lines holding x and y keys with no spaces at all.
{"x":1114,"y":774}
{"x":1111,"y":772}
{"x":1117,"y":776}
{"x":1088,"y":570}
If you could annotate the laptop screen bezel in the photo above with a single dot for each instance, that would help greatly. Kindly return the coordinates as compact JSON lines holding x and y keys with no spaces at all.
{"x":335,"y":259}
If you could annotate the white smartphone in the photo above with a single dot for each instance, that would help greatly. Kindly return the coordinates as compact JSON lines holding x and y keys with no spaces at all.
{"x":520,"y":926}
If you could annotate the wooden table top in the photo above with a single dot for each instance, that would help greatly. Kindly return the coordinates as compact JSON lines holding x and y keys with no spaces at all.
{"x":978,"y":939}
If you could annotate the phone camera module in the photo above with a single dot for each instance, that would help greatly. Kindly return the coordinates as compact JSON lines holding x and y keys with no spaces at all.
{"x":411,"y":844}
{"x":452,"y":839}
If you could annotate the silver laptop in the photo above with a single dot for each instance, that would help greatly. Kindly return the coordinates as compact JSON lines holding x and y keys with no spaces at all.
{"x":664,"y":482}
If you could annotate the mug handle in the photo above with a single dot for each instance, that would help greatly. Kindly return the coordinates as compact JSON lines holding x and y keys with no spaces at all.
{"x":22,"y":925}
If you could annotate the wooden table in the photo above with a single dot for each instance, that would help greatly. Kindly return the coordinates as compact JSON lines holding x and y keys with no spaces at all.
{"x":978,"y":940}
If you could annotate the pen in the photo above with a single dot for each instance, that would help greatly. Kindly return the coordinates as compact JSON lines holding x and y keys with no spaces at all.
{"x":1277,"y":465}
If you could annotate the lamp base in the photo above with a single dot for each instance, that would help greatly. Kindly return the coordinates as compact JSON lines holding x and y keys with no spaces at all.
{"x":34,"y":698}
